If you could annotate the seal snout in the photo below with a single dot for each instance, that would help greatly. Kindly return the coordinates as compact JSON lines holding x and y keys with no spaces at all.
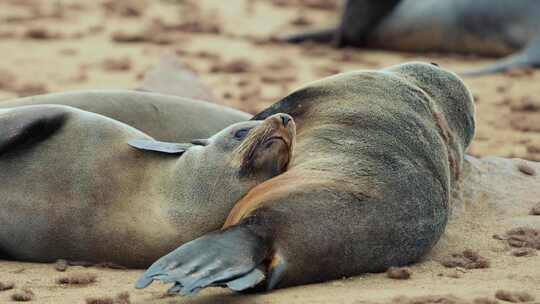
{"x":285,"y":119}
{"x":284,"y":129}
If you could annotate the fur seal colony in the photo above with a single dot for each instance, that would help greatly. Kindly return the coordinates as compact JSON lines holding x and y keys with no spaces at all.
{"x":73,"y":188}
{"x":369,"y":185}
{"x":483,"y":27}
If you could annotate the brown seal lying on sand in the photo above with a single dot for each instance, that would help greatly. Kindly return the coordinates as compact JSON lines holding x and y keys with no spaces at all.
{"x":377,"y":155}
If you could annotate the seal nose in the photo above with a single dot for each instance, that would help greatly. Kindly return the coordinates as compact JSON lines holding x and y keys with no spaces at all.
{"x":285,"y":119}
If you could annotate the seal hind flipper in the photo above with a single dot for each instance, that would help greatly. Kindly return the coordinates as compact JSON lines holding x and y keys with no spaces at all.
{"x":211,"y":260}
{"x":527,"y":58}
{"x":159,"y":146}
{"x":25,"y":126}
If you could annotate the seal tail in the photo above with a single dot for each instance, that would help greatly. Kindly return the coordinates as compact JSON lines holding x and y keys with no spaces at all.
{"x":527,"y":58}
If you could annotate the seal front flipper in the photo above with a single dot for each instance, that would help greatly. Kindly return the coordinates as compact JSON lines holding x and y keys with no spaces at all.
{"x":226,"y":258}
{"x":23,"y":127}
{"x":527,"y":58}
{"x":159,"y":146}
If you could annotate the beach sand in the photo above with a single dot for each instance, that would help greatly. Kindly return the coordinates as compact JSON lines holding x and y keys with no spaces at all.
{"x":55,"y":46}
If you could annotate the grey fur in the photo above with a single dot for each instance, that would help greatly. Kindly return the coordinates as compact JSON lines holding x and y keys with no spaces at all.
{"x":167,"y":118}
{"x":72,"y":188}
{"x":483,"y":27}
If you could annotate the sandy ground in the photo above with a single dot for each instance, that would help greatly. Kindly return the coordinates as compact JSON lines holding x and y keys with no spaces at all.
{"x":53,"y":46}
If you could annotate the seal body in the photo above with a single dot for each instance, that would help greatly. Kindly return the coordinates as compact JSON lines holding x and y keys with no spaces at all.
{"x":482,"y":27}
{"x":164,"y":117}
{"x":71,"y":187}
{"x":376,"y":157}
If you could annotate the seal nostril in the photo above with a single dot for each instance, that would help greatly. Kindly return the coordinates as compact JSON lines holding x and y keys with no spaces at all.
{"x":285,"y":119}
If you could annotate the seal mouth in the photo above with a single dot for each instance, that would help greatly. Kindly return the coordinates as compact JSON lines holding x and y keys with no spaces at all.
{"x":287,"y":145}
{"x":274,"y":128}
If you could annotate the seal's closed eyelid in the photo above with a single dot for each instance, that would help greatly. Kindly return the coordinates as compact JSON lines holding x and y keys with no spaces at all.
{"x":241,"y":134}
{"x":159,"y":146}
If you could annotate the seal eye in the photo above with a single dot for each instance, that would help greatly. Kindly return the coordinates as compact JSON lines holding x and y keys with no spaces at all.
{"x":241,"y":134}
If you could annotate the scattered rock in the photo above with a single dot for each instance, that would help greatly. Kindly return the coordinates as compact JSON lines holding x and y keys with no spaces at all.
{"x":122,"y":298}
{"x":6,"y":286}
{"x":25,"y":295}
{"x":125,"y":8}
{"x":523,"y":252}
{"x":523,"y":237}
{"x":95,"y":29}
{"x":448,"y":299}
{"x":514,"y":297}
{"x":399,"y":273}
{"x":207,"y":55}
{"x":301,"y":21}
{"x":69,"y":52}
{"x":40,"y":34}
{"x":526,"y":169}
{"x":535,"y":210}
{"x":117,"y":64}
{"x":468,"y":259}
{"x":233,"y":66}
{"x":123,"y":37}
{"x":61,"y":265}
{"x":501,"y":89}
{"x":77,"y":279}
{"x":526,"y":104}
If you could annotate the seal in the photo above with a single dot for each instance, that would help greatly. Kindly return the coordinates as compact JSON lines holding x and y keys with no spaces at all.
{"x":377,"y":155}
{"x":168,"y":118}
{"x":483,"y":27}
{"x":77,"y":185}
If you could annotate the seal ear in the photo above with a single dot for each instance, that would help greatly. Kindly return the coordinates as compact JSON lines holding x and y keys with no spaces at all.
{"x":159,"y":146}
